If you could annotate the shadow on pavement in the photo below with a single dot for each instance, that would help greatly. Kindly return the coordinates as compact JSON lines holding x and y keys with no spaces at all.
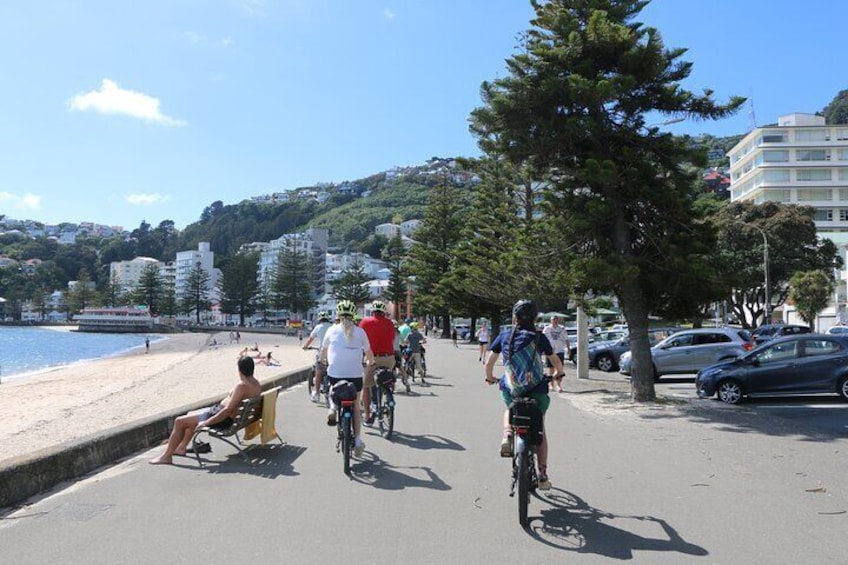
{"x":571,"y":524}
{"x":375,"y":472}
{"x":270,"y":462}
{"x":425,"y":442}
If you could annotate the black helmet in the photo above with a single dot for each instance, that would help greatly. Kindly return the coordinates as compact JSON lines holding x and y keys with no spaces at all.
{"x":525,"y":312}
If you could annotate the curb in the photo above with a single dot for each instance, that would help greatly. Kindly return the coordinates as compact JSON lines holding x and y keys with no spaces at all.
{"x":28,"y":475}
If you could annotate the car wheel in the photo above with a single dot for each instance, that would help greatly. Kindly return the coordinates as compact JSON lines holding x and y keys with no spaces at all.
{"x":843,"y":388}
{"x":729,"y":391}
{"x":605,"y":362}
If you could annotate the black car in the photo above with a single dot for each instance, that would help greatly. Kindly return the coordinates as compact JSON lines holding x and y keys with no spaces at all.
{"x":768,"y":332}
{"x":795,"y":365}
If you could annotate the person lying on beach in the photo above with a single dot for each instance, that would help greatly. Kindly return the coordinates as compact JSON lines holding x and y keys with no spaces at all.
{"x":218,"y":415}
{"x":266,"y":360}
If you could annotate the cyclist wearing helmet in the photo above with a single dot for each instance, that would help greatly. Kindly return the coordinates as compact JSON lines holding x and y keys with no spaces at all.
{"x":342,"y":350}
{"x":317,"y":335}
{"x":381,"y":335}
{"x":414,"y":342}
{"x":515,"y":343}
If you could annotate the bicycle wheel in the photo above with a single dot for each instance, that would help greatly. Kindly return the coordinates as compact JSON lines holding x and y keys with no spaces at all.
{"x":387,"y":415}
{"x":347,"y":440}
{"x":310,"y":384}
{"x":523,"y":486}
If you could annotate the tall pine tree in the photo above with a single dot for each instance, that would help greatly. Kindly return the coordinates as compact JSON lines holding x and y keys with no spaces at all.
{"x":576,"y":106}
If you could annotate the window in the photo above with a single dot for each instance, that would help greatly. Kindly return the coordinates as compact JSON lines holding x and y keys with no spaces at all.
{"x":843,"y":214}
{"x":777,"y":195}
{"x":680,"y":341}
{"x":810,"y":194}
{"x":774,"y":156}
{"x":812,"y":135}
{"x":812,"y":174}
{"x":779,"y":352}
{"x":842,"y":134}
{"x":776,"y":175}
{"x":843,"y":175}
{"x":842,"y":154}
{"x":774,"y":138}
{"x":811,"y":155}
{"x":823,"y":215}
{"x":703,"y":339}
{"x":815,"y":347}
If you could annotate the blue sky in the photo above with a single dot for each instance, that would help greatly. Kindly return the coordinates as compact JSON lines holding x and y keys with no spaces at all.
{"x":117,"y":111}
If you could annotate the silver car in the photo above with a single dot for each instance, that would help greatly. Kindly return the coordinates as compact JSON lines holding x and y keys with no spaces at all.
{"x":689,"y":351}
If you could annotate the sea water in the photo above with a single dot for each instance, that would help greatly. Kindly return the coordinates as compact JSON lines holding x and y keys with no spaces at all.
{"x":24,"y":351}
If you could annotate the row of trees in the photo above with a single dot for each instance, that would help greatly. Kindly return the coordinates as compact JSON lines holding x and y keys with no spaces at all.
{"x":581,"y":196}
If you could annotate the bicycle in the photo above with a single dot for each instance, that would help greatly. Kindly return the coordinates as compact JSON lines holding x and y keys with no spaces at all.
{"x":383,"y":401}
{"x":344,"y":397}
{"x":526,"y":425}
{"x":325,"y":387}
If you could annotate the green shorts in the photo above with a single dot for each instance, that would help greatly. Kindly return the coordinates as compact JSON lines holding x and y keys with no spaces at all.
{"x":543,"y":401}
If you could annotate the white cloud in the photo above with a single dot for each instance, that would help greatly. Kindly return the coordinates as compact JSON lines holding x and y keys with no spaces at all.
{"x":388,"y":14}
{"x":227,"y":42}
{"x":146,"y":199}
{"x":194,"y":37}
{"x":26,"y":201}
{"x":111,"y":99}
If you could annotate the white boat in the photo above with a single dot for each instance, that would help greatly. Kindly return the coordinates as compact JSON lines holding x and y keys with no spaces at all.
{"x":123,"y":319}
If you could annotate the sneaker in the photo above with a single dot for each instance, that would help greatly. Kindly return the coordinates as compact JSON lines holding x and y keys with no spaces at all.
{"x":359,"y":448}
{"x":369,"y":420}
{"x":544,"y":482}
{"x":506,"y":446}
{"x":314,"y":397}
{"x":331,"y":418}
{"x":408,"y":388}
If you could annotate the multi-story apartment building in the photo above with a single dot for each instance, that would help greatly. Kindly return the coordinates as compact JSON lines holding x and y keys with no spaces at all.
{"x":312,"y":242}
{"x":801,"y":160}
{"x":127,"y":273}
{"x":186,"y":262}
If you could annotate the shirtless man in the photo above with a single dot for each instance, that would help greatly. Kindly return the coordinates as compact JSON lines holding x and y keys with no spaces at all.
{"x":184,"y":426}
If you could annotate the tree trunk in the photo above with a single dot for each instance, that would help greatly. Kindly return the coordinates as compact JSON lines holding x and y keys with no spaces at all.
{"x":642,"y":365}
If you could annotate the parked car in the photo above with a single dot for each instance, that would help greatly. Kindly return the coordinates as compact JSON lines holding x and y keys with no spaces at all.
{"x":605,"y":355}
{"x":603,"y":336}
{"x":837,"y":330}
{"x":688,"y":351}
{"x":795,"y":365}
{"x":767,"y":332}
{"x":462,"y":330}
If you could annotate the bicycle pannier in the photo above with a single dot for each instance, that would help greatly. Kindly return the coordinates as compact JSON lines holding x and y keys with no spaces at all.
{"x":385,"y":377}
{"x":525,"y":412}
{"x":342,"y":390}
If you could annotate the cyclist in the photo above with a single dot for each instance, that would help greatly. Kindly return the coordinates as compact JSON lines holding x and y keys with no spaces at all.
{"x":513,"y":344}
{"x":317,"y":335}
{"x":414,"y":342}
{"x":381,"y":335}
{"x":558,"y":336}
{"x":399,"y":358}
{"x":342,"y":350}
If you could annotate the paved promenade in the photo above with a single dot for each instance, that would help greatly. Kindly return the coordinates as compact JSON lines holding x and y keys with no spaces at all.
{"x":676,"y":483}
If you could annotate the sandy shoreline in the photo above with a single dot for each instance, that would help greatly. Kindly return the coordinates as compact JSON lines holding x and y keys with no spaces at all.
{"x":64,"y":404}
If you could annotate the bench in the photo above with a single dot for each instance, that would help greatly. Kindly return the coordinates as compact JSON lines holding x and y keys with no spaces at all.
{"x":250,"y":411}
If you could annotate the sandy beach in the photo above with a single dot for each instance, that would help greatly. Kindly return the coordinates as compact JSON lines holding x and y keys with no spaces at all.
{"x":64,"y":404}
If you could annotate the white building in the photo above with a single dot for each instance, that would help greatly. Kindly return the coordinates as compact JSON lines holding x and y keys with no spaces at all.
{"x":187,"y":260}
{"x":801,"y":160}
{"x":127,"y":273}
{"x":312,"y":242}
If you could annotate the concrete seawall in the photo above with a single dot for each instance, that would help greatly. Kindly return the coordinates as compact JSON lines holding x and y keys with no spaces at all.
{"x":29,"y":475}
